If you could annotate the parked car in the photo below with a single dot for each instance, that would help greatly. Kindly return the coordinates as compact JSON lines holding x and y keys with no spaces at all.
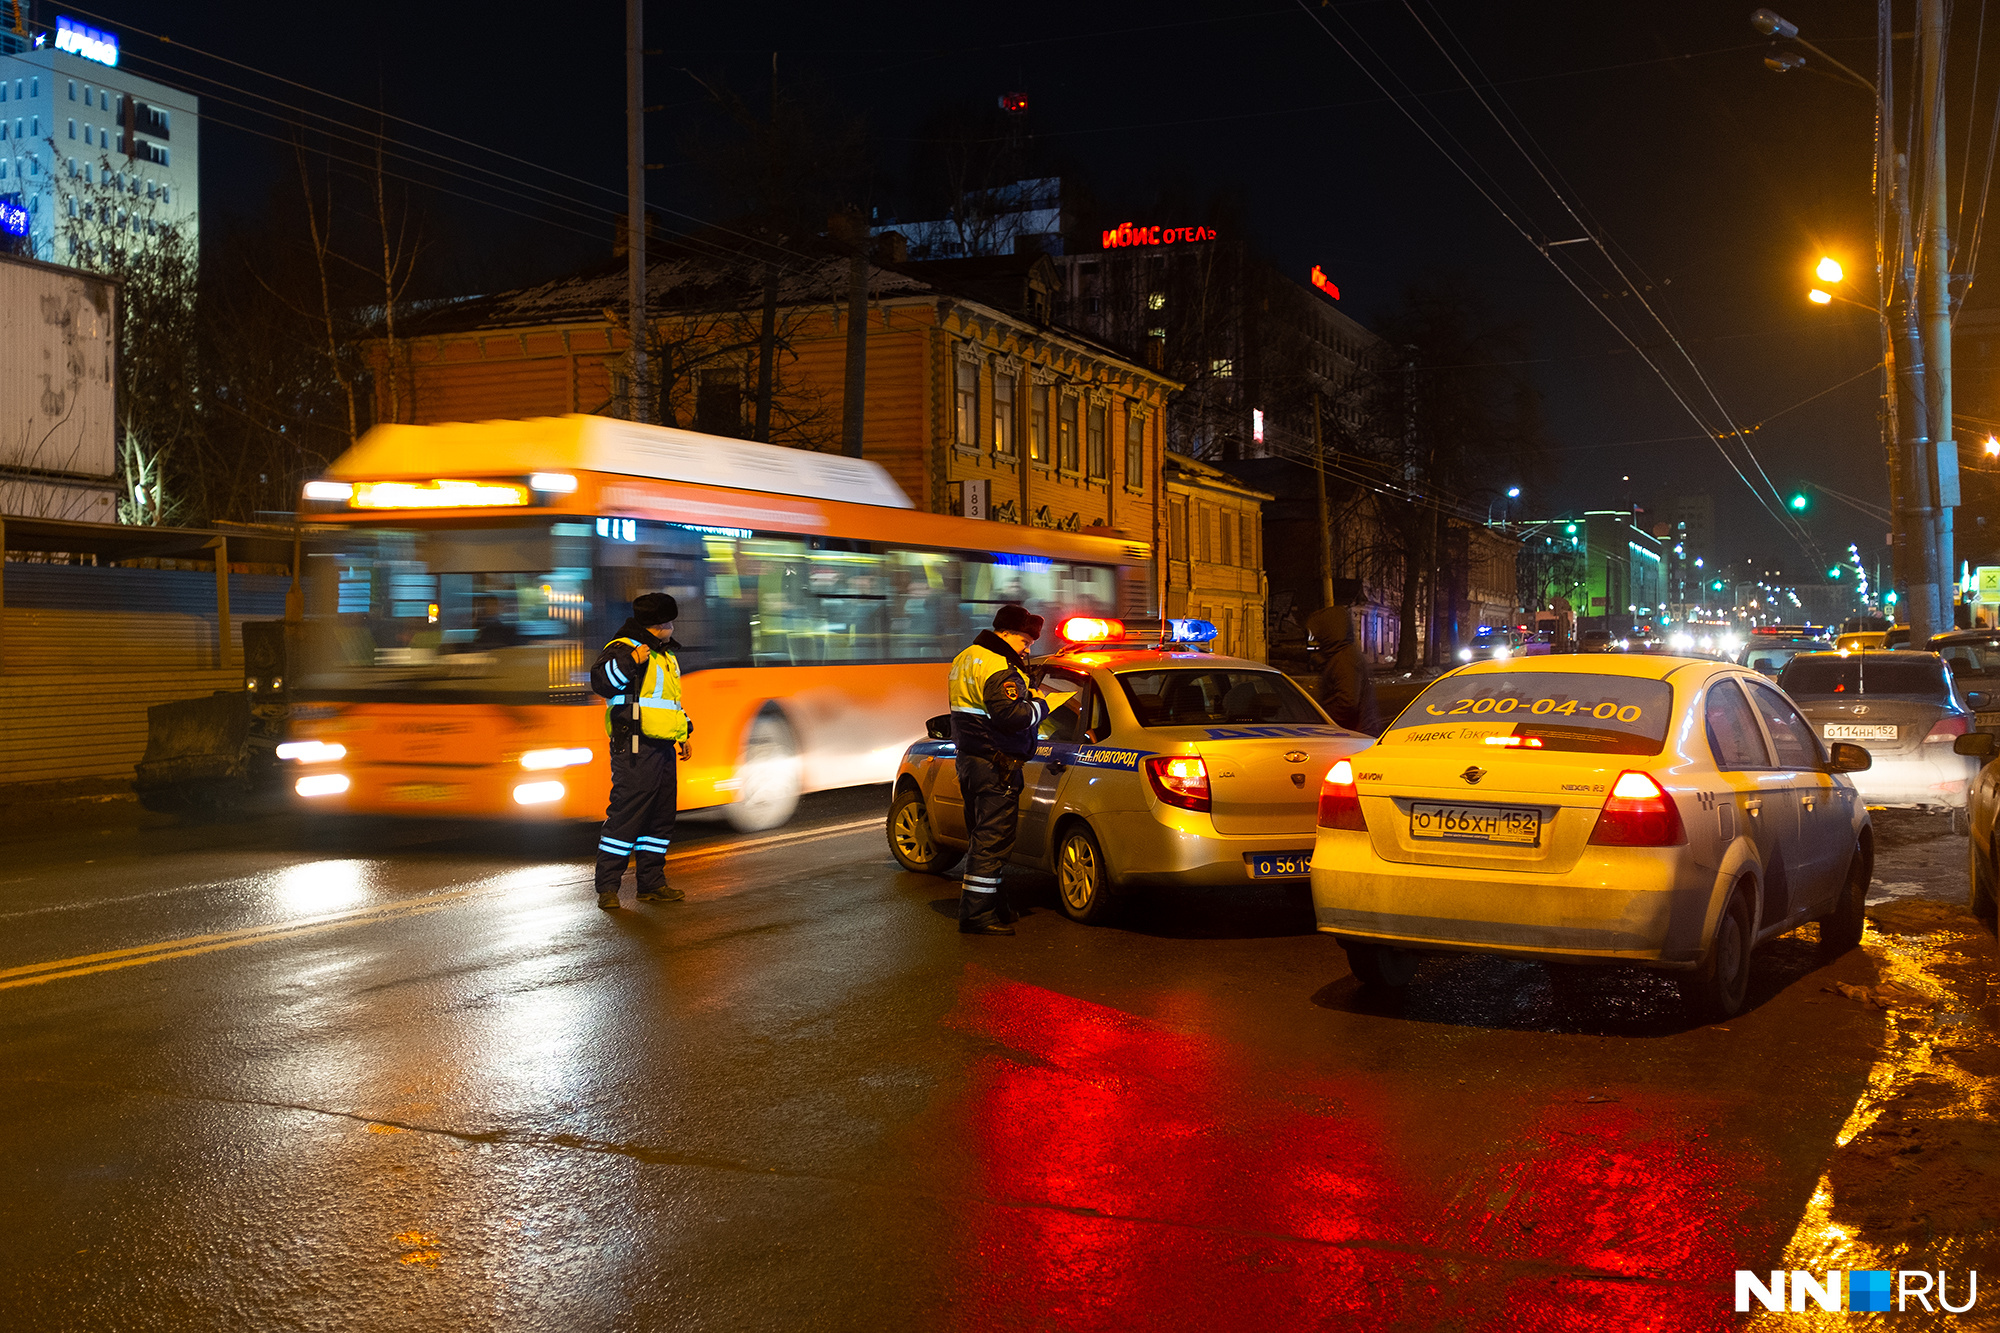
{"x":1595,"y":641}
{"x":1631,"y":809}
{"x":1974,"y":658}
{"x":1899,"y":706}
{"x":1982,"y":852}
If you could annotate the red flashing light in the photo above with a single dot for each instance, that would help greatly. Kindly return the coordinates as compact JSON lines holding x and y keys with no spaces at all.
{"x":1339,"y":802}
{"x":1013,"y":103}
{"x":1180,"y":780}
{"x":1090,"y":629}
{"x":1638,"y":813}
{"x":1325,"y":284}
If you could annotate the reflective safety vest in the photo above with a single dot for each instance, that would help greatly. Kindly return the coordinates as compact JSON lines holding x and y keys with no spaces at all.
{"x":658,"y":699}
{"x":970,"y":671}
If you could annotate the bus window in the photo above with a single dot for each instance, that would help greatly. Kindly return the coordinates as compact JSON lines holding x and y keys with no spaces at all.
{"x":493,"y":613}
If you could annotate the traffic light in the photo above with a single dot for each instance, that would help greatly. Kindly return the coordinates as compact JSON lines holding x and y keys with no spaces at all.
{"x":1799,"y":502}
{"x":1833,"y":573}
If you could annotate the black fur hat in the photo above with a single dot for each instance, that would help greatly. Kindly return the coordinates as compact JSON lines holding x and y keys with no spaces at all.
{"x":655,"y":608}
{"x":1014,"y":619}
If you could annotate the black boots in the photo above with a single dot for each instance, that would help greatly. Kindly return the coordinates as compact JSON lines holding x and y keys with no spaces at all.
{"x":984,"y":914}
{"x":607,"y":900}
{"x":666,"y":893}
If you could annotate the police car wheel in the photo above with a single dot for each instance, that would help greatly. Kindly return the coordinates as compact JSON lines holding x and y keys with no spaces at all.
{"x":1083,"y":880}
{"x":911,"y":841}
{"x":769,"y":774}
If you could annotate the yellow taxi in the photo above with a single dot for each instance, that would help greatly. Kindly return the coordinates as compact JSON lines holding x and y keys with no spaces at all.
{"x":1659,"y":811}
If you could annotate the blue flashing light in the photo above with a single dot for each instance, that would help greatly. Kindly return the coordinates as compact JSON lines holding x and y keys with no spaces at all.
{"x":1191,"y":631}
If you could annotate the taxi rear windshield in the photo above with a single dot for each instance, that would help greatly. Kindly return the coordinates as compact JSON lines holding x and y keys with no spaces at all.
{"x":1539,"y":710}
{"x":1204,"y":698}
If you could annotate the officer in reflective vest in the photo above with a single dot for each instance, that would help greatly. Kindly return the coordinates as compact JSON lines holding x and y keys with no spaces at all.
{"x":649,"y":730}
{"x":994,"y":717}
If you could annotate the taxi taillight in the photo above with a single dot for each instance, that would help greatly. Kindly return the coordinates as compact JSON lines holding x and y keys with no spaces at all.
{"x":1180,"y":780}
{"x":1638,"y":813}
{"x":1339,"y":803}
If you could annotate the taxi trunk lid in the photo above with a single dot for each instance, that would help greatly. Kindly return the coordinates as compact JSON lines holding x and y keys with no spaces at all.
{"x":1262,"y":783}
{"x":1410,"y":796}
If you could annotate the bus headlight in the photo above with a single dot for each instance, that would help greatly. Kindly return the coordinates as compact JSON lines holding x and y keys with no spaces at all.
{"x":322,"y":784}
{"x":312,"y":752}
{"x":537,"y":760}
{"x":536,"y":793}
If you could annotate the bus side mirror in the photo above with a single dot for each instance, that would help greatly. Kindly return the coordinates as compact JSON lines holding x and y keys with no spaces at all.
{"x":1978,"y":744}
{"x":939,"y":727}
{"x":1846,"y":758}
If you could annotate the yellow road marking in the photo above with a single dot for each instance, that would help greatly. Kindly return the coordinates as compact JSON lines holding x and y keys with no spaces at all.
{"x":112,"y":960}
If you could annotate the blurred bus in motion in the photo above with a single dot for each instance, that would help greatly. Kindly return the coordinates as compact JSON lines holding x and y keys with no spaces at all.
{"x":460,"y":580}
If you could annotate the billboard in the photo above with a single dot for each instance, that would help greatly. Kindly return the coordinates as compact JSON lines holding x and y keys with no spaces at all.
{"x":58,"y":453}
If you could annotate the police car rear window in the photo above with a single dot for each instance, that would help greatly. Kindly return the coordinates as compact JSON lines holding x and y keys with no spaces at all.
{"x":1201,"y":697}
{"x":1539,"y":710}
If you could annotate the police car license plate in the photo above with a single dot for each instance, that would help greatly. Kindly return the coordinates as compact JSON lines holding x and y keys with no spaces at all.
{"x":1476,"y":823}
{"x":1279,"y":865}
{"x":424,"y":791}
{"x":1853,"y":731}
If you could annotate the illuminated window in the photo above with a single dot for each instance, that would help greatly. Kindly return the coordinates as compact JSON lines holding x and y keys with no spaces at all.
{"x":1156,"y":333}
{"x":1096,"y":445}
{"x":1066,"y":459}
{"x":1222,"y":367}
{"x":1135,"y":450}
{"x":968,"y":404}
{"x":1156,"y":301}
{"x":1038,"y":424}
{"x":1003,"y":414}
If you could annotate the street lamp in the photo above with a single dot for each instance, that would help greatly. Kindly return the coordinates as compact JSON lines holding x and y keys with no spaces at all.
{"x":1829,"y":269}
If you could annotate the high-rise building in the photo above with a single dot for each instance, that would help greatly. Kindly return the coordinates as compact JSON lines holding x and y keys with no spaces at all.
{"x":90,"y":153}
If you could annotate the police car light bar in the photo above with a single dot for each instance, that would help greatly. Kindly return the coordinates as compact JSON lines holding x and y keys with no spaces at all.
{"x":1190,"y":631}
{"x":1090,"y":629}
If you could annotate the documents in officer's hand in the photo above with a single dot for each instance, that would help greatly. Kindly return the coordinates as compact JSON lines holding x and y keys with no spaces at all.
{"x":1056,"y":698}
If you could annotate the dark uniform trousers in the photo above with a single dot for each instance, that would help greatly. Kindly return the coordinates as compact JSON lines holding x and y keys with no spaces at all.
{"x":991,"y":788}
{"x":640,"y":819}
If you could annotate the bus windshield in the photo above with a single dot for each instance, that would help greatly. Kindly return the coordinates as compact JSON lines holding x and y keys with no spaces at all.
{"x":515,"y":612}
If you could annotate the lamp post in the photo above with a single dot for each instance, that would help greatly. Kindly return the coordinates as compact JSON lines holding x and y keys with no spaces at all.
{"x":1923,"y":470}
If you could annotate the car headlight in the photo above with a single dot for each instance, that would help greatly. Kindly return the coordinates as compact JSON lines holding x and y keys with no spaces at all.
{"x":1502,"y":653}
{"x":559,"y":758}
{"x":312,"y":752}
{"x":1465,"y":654}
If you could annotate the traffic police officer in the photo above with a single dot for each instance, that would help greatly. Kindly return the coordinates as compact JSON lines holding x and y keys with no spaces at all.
{"x":994,"y":717}
{"x":639,"y":674}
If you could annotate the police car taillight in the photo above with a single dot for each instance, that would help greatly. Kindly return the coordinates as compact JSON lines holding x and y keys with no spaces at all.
{"x":1090,"y":629}
{"x":1339,"y":802}
{"x":1638,"y":813}
{"x":1180,"y":780}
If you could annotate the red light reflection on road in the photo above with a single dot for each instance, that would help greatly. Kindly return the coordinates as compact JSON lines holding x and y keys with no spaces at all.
{"x":1138,"y":1177}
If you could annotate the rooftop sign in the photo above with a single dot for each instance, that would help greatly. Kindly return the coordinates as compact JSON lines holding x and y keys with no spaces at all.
{"x":1325,"y":284}
{"x":81,"y":40}
{"x":1125,"y":234}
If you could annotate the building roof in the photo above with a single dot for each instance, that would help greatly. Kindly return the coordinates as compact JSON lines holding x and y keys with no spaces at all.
{"x":1181,"y":467}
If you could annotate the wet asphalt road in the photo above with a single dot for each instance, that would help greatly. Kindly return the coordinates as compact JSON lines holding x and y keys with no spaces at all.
{"x":273,"y":1075}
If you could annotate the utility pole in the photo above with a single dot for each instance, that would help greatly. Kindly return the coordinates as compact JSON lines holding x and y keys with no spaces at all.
{"x":1933,"y":295}
{"x":1325,"y":523}
{"x":637,"y":399}
{"x":854,"y":404}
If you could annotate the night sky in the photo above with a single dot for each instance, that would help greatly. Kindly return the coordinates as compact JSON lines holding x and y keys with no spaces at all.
{"x":1715,"y":182}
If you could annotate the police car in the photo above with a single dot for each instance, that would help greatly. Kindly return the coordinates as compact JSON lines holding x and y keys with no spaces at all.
{"x":1169,"y":765}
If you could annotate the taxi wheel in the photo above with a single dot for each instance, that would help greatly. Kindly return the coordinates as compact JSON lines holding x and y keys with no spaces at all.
{"x":1980,"y":874}
{"x":1083,"y":881}
{"x":1718,"y":988}
{"x":910,"y":839}
{"x":1381,"y":966}
{"x":1840,"y":929}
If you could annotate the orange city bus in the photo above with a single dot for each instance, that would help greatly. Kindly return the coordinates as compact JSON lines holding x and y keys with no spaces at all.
{"x":460,"y":579}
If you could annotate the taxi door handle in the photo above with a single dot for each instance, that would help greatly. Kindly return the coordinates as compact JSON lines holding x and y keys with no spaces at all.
{"x":1808,"y":802}
{"x":1756,"y":808}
